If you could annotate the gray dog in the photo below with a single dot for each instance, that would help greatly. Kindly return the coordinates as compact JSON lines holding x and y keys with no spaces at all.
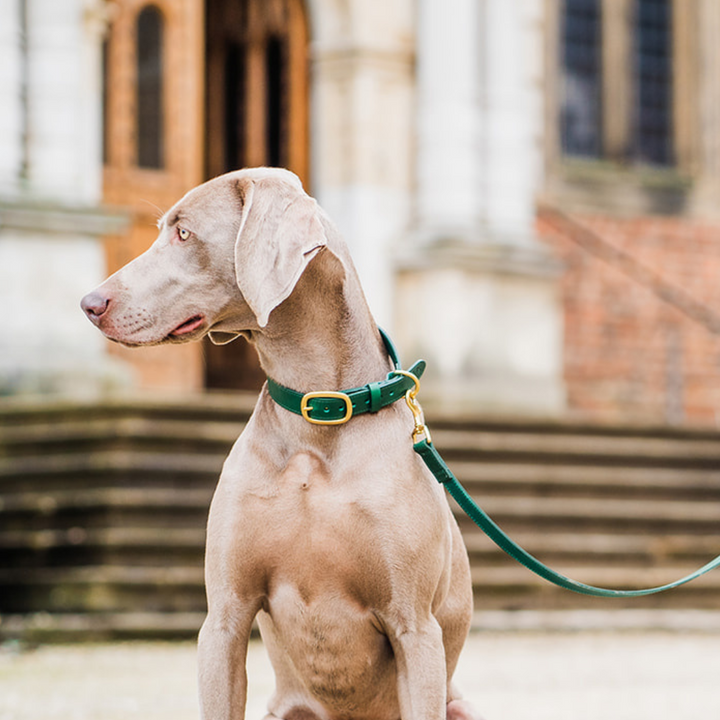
{"x":336,"y":539}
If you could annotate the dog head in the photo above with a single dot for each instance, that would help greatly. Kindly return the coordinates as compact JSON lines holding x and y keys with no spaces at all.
{"x":227,"y":254}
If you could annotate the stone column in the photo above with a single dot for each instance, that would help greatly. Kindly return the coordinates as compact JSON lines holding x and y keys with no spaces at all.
{"x":477,"y":293}
{"x":12,"y":59}
{"x":50,"y":187}
{"x":65,"y":91}
{"x":448,"y":120}
{"x":362,"y":71}
{"x":707,"y":150}
{"x":512,"y":104}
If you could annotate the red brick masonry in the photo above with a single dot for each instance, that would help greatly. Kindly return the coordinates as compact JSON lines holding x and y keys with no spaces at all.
{"x":642,"y":316}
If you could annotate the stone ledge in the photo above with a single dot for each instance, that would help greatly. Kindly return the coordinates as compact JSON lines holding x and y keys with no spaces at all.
{"x":47,"y":627}
{"x":482,"y":256}
{"x":605,"y":187}
{"x":563,"y":621}
{"x":55,"y":219}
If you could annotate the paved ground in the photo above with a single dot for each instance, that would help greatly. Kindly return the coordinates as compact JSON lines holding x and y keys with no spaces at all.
{"x":509,"y":676}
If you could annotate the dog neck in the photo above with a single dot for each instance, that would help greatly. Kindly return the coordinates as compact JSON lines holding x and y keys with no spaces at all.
{"x":323,"y":337}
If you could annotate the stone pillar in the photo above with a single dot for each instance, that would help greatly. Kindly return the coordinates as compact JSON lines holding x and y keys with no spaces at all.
{"x":707,"y":151}
{"x":11,"y":60}
{"x":362,"y":109}
{"x":477,"y":293}
{"x":50,"y":187}
{"x":448,"y":120}
{"x":512,"y":113}
{"x":64,"y":45}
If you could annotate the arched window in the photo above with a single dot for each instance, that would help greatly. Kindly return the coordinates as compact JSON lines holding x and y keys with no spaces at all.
{"x":150,"y":116}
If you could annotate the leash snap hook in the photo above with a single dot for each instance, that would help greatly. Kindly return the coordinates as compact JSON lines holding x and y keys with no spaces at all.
{"x":420,"y":428}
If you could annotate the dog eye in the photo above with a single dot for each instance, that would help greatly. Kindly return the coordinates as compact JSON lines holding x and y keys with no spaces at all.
{"x":183,"y":234}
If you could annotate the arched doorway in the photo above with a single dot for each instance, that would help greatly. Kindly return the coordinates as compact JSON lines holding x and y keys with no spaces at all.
{"x":152,"y":125}
{"x":168,"y":125}
{"x":256,"y":114}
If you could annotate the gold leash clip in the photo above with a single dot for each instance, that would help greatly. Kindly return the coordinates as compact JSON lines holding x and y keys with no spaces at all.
{"x":420,"y":428}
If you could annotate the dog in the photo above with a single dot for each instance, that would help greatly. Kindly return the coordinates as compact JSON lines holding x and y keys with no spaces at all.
{"x":335,"y":539}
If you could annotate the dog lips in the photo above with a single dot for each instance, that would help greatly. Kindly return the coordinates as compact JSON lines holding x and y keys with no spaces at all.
{"x":188,"y":326}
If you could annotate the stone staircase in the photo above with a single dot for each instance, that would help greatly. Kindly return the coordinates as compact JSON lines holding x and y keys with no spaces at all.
{"x":103,"y":509}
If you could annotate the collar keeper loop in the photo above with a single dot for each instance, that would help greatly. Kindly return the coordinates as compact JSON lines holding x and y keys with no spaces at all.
{"x":375,"y":397}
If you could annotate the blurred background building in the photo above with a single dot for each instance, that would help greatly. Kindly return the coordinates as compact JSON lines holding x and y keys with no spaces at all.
{"x":528,"y":188}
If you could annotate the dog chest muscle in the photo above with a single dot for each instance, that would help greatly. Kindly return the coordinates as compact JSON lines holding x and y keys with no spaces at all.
{"x":324,"y":539}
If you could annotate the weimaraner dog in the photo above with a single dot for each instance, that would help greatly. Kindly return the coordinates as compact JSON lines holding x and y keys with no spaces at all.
{"x":336,"y":538}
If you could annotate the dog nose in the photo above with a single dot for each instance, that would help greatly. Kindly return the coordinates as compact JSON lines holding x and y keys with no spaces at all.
{"x":94,"y":305}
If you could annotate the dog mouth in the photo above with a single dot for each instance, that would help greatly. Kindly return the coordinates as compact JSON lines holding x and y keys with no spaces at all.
{"x":188,"y":326}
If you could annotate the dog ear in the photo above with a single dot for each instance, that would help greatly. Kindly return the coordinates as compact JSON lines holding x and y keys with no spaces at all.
{"x":280,"y":233}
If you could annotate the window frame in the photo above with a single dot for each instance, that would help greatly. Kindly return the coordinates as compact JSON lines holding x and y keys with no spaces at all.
{"x":612,"y":182}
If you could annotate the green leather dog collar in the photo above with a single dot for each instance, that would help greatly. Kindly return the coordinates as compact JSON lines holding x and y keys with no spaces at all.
{"x":329,"y":407}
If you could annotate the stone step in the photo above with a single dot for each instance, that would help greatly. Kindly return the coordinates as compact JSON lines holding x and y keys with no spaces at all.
{"x":130,"y":538}
{"x":179,"y":546}
{"x":594,"y":548}
{"x":55,"y":470}
{"x":129,"y":461}
{"x":589,"y":449}
{"x":103,"y":509}
{"x":219,"y":419}
{"x":103,"y":589}
{"x":65,"y":511}
{"x":617,"y":546}
{"x":70,"y":511}
{"x":482,"y":445}
{"x":128,"y":468}
{"x":105,"y":545}
{"x":508,"y":475}
{"x":527,"y":512}
{"x":141,"y":499}
{"x":112,"y":589}
{"x":131,"y":575}
{"x":78,"y":436}
{"x":579,"y":480}
{"x":222,"y":406}
{"x":585,"y":515}
{"x":45,"y":627}
{"x":620,"y":578}
{"x":513,"y":588}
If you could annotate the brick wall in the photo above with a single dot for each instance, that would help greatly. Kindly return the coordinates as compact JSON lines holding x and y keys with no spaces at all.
{"x":642,"y":317}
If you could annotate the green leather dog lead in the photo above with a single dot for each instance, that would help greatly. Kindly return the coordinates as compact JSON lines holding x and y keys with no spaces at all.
{"x":444,"y":476}
{"x":333,"y":408}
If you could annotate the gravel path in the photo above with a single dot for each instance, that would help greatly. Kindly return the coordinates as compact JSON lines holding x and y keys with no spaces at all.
{"x":508,"y":676}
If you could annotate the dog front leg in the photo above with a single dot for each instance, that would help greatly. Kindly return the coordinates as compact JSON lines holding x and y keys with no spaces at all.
{"x":222,"y":656}
{"x":421,"y":672}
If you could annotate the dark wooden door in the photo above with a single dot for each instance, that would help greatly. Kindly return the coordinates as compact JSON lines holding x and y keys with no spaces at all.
{"x":256,"y":114}
{"x":153,"y":151}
